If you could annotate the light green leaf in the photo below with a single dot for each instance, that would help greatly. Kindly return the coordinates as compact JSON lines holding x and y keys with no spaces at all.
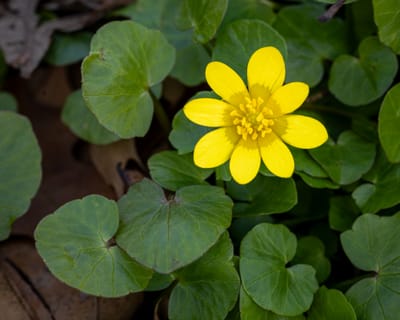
{"x":66,"y":49}
{"x":208,"y":288}
{"x":330,"y":304}
{"x":173,"y":171}
{"x":264,"y":195}
{"x":125,"y":60}
{"x":309,"y":41}
{"x":264,"y":253}
{"x":346,"y":160}
{"x":249,"y":310}
{"x":204,"y":16}
{"x":74,"y":242}
{"x":357,"y":81}
{"x":389,"y":124}
{"x":383,"y":190}
{"x":311,"y":250}
{"x":8,"y":102}
{"x":374,"y":245}
{"x":238,"y":41}
{"x":20,"y":170}
{"x":386,"y":16}
{"x":83,"y":123}
{"x":342,"y":212}
{"x":186,"y":225}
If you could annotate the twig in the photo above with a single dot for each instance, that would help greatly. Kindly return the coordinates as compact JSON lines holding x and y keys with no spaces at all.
{"x":332,"y":10}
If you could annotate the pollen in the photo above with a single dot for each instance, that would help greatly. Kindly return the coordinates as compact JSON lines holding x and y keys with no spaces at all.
{"x":252,"y":119}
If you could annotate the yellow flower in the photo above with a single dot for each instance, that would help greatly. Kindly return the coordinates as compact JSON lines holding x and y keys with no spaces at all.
{"x":254,"y":121}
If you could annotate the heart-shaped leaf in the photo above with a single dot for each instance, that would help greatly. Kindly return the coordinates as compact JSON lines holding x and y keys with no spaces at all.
{"x":207,"y":288}
{"x":204,"y":16}
{"x":167,"y":234}
{"x":309,"y":41}
{"x":383,"y":190}
{"x":374,"y":245}
{"x":74,"y":242}
{"x":389,"y":124}
{"x":346,"y":160}
{"x":173,"y":171}
{"x":238,"y":41}
{"x":20,"y":171}
{"x":125,"y":60}
{"x":386,"y":16}
{"x":357,"y":81}
{"x":264,"y":253}
{"x":83,"y":123}
{"x":264,"y":195}
{"x":331,"y":304}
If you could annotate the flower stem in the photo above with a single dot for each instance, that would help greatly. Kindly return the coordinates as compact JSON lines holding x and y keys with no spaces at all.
{"x":160,"y":114}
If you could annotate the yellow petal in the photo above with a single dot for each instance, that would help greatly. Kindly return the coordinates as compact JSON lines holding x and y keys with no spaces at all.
{"x":226,"y":83}
{"x":245,"y":161}
{"x":209,"y":112}
{"x":276,"y":156}
{"x":265,"y":72}
{"x":288,"y":98}
{"x":300,"y":131}
{"x":215,"y":147}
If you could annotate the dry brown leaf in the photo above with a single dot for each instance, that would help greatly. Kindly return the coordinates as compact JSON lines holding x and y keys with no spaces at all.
{"x":111,"y":160}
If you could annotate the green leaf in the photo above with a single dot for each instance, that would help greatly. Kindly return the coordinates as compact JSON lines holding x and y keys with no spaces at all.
{"x":331,"y":304}
{"x":173,"y":171}
{"x":384,"y":189}
{"x":238,"y":41}
{"x":318,"y":183}
{"x":204,"y":16}
{"x":342,"y":212}
{"x":186,"y":225}
{"x":264,"y":195}
{"x":20,"y":170}
{"x":346,"y":160}
{"x":83,"y":123}
{"x":8,"y":102}
{"x":159,"y":281}
{"x":374,"y":245}
{"x":309,"y":41}
{"x":207,"y":288}
{"x":389,"y":124}
{"x":66,"y":49}
{"x":386,"y":16}
{"x":125,"y":60}
{"x":357,"y":81}
{"x":362,"y":20}
{"x":74,"y":242}
{"x":264,"y":253}
{"x":249,"y":310}
{"x":305,"y":163}
{"x":311,"y":250}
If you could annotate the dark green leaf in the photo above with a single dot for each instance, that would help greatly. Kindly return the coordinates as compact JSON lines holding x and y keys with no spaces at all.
{"x":309,"y":41}
{"x":346,"y":160}
{"x":173,"y":171}
{"x":264,"y":254}
{"x":389,"y":124}
{"x":204,"y":16}
{"x":374,"y":245}
{"x":264,"y":195}
{"x":318,"y":183}
{"x":125,"y":60}
{"x":186,"y":225}
{"x":357,"y":81}
{"x":66,"y":49}
{"x":20,"y":170}
{"x":74,"y":243}
{"x":83,"y":123}
{"x":331,"y":304}
{"x":8,"y":102}
{"x":207,"y":288}
{"x":238,"y":41}
{"x":342,"y":212}
{"x":386,"y":16}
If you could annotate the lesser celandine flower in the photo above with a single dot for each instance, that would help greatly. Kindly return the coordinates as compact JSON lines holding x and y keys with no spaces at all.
{"x":253,"y":122}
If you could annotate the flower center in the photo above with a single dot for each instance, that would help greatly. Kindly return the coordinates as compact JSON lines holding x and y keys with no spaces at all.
{"x":251,"y":119}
